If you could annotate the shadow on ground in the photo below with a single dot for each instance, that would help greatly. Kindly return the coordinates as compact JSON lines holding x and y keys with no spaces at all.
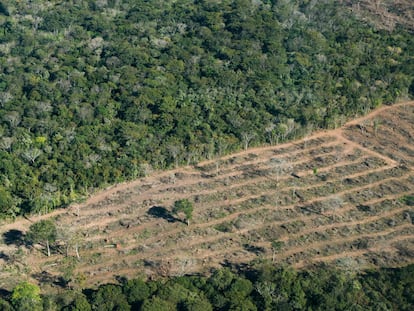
{"x":14,"y":236}
{"x":162,"y":212}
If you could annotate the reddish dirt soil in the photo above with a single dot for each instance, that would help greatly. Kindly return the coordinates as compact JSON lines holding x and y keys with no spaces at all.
{"x":333,"y":197}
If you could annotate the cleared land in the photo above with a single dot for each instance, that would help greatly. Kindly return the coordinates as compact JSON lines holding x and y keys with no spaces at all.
{"x":385,"y":14}
{"x":335,"y":196}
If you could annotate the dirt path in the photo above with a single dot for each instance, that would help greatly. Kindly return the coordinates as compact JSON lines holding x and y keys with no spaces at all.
{"x":352,"y":254}
{"x":22,"y":223}
{"x":241,"y":187}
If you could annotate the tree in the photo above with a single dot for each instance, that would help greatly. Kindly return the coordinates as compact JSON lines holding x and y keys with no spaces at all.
{"x":3,"y":9}
{"x":247,"y":138}
{"x":80,"y":303}
{"x":26,"y":296}
{"x":276,"y":246}
{"x":5,"y":306}
{"x":136,"y":291}
{"x":72,"y":238}
{"x":110,"y":297}
{"x":41,"y":232}
{"x":280,"y":167}
{"x":184,"y":206}
{"x":197,"y":304}
{"x":8,"y":207}
{"x":31,"y":155}
{"x":157,"y":304}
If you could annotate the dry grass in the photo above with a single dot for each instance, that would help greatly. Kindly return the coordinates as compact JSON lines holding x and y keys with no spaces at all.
{"x":332,"y":197}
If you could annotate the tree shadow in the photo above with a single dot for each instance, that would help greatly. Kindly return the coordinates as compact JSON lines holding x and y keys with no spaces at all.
{"x":162,"y":212}
{"x":5,"y":294}
{"x":254,"y":249}
{"x":47,"y":278}
{"x":15,"y":237}
{"x":4,"y":256}
{"x":233,"y":266}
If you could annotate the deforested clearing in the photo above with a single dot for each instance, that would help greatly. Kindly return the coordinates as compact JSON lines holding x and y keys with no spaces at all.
{"x":342,"y":196}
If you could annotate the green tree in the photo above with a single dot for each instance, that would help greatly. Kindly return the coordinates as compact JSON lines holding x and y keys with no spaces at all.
{"x":136,"y":291}
{"x":238,"y":295}
{"x":26,"y":296}
{"x":198,"y":304}
{"x":8,"y":207}
{"x":157,"y":304}
{"x":80,"y":303}
{"x":184,"y":206}
{"x":43,"y":232}
{"x":5,"y":306}
{"x":110,"y":298}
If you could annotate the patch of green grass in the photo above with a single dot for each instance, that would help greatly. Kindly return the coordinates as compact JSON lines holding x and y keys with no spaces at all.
{"x":408,"y":200}
{"x":224,"y":227}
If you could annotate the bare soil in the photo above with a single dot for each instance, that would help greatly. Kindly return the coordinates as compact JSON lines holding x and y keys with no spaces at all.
{"x":333,"y":197}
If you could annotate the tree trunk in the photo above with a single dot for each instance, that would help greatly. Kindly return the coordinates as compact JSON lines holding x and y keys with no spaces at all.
{"x":77,"y":250}
{"x":48,"y":248}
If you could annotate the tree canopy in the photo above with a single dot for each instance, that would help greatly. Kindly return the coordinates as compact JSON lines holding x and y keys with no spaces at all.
{"x":98,"y":92}
{"x":261,"y":287}
{"x":26,"y":296}
{"x":43,"y":232}
{"x":184,"y":206}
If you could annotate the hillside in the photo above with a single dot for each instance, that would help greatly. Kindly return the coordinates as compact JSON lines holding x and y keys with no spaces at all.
{"x":94,"y":93}
{"x":385,"y":14}
{"x":335,"y":196}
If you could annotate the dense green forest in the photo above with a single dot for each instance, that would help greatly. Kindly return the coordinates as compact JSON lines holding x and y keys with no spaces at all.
{"x":98,"y":92}
{"x":266,"y":288}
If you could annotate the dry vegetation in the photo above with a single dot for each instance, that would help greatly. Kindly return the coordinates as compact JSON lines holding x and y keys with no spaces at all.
{"x":334,"y":196}
{"x":385,"y":14}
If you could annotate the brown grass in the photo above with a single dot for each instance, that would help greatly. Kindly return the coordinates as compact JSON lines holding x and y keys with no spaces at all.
{"x":347,"y":212}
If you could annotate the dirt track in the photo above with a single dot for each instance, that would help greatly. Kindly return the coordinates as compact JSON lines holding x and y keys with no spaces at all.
{"x":332,"y":197}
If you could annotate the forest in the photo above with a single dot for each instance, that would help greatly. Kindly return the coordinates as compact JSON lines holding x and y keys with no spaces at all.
{"x":94,"y":93}
{"x":261,"y":287}
{"x":99,"y":92}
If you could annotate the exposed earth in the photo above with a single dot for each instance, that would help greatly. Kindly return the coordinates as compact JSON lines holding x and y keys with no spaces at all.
{"x":335,"y":197}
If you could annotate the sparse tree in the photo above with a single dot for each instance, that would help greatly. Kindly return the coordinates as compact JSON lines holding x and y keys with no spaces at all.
{"x":276,"y":246}
{"x":146,"y":169}
{"x":280,"y":167}
{"x":175,"y":149}
{"x":71,"y":237}
{"x":43,"y":232}
{"x":271,"y":132}
{"x":184,"y":206}
{"x":32,"y":154}
{"x":6,"y":143}
{"x":247,"y":138}
{"x":13,"y":118}
{"x":5,"y":97}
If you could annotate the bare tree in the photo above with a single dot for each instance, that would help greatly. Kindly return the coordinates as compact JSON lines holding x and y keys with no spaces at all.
{"x":308,"y":132}
{"x":291,"y":125}
{"x":271,"y":133}
{"x":6,"y":143}
{"x":247,"y":137}
{"x":32,"y":154}
{"x":175,"y":150}
{"x":71,"y":237}
{"x":276,"y":246}
{"x":91,"y":160}
{"x":280,"y":167}
{"x":146,"y":169}
{"x":13,"y":117}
